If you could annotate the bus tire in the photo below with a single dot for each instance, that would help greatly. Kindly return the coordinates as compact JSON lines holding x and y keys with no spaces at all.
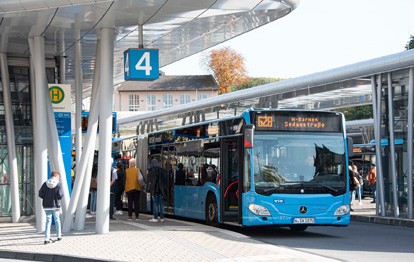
{"x":298,"y":228}
{"x":211,"y":211}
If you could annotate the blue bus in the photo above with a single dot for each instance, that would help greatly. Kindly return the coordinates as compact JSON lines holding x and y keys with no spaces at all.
{"x":265,"y":167}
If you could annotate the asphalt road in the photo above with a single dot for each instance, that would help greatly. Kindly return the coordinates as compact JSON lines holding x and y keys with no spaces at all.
{"x":357,"y":242}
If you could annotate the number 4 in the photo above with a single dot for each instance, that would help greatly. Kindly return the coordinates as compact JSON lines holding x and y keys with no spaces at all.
{"x":144,"y":63}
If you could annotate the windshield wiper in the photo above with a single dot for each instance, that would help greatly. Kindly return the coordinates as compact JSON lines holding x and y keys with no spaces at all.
{"x":325,"y":186}
{"x":283,"y":187}
{"x":271,"y":190}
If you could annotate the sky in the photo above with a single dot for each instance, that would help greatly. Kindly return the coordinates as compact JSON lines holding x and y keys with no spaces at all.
{"x":318,"y":35}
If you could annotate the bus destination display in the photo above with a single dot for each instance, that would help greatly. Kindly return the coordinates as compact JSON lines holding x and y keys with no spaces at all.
{"x":298,"y":122}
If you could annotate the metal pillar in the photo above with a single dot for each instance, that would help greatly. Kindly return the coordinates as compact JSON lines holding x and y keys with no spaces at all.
{"x":88,"y":150}
{"x":62,"y":58}
{"x":378,"y":158}
{"x":78,"y":97}
{"x":40,"y":216}
{"x":11,"y":145}
{"x":105,"y":129}
{"x":393,"y":172}
{"x":375,"y":117}
{"x":40,"y":147}
{"x":140,"y":36}
{"x":410,"y":142}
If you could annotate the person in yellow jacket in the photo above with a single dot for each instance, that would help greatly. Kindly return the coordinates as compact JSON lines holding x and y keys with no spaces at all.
{"x":133,"y":189}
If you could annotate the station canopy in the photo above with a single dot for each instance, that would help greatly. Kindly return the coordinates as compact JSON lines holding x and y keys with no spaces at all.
{"x":178,"y":28}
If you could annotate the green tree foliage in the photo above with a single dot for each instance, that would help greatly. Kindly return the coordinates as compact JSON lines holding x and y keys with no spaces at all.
{"x":254,"y":81}
{"x":410,"y":43}
{"x":357,"y":113}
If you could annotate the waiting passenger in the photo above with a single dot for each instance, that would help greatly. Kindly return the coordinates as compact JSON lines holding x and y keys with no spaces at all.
{"x":114,"y":177}
{"x":157,"y":185}
{"x":93,"y":189}
{"x":133,"y":189}
{"x":203,"y":172}
{"x":120,"y":186}
{"x":191,"y":174}
{"x":212,"y":173}
{"x":180,"y":175}
{"x":51,"y":193}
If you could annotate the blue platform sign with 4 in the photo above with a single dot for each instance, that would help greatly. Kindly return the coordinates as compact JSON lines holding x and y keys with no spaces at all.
{"x":141,"y":64}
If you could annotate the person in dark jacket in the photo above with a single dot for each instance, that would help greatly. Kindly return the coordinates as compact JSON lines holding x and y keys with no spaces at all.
{"x":51,"y":192}
{"x":352,"y":178}
{"x":157,"y":186}
{"x":120,"y":186}
{"x":180,"y":175}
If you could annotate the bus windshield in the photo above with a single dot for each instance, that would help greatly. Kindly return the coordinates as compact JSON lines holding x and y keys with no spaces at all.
{"x":299,"y":163}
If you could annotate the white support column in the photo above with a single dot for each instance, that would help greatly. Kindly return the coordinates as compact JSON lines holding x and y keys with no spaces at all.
{"x":81,"y":187}
{"x":105,"y":129}
{"x":55,"y":150}
{"x":88,"y":150}
{"x":410,"y":141}
{"x":11,"y":144}
{"x":53,"y":144}
{"x":81,"y":180}
{"x":40,"y":147}
{"x":393,"y":172}
{"x":78,"y":98}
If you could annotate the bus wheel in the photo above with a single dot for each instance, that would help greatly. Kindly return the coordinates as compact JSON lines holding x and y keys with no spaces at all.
{"x":298,"y":228}
{"x":211,"y":211}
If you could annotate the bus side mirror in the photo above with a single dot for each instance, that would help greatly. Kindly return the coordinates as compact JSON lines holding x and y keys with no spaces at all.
{"x":248,"y":136}
{"x":350,"y":143}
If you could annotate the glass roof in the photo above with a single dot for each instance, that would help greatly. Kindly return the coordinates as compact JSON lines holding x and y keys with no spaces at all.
{"x":178,"y":28}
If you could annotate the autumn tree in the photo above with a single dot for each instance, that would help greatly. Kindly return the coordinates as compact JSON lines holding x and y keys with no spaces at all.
{"x":227,"y":67}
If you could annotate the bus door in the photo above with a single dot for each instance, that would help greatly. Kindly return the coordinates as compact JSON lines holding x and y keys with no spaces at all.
{"x":168,"y":158}
{"x":231,"y":167}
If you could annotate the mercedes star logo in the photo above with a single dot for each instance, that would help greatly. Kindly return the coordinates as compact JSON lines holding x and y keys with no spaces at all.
{"x":303,"y":210}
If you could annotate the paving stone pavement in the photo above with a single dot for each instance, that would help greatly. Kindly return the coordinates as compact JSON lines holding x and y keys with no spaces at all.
{"x":367,"y":213}
{"x":173,"y":240}
{"x":140,"y":240}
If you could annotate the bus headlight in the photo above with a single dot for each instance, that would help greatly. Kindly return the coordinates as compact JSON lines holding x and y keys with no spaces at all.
{"x":259,"y":210}
{"x":342,"y":210}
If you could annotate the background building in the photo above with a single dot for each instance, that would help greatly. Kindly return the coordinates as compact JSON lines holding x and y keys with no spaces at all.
{"x":165,"y":92}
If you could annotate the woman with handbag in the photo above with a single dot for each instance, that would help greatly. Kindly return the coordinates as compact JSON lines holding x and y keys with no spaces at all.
{"x":133,"y":188}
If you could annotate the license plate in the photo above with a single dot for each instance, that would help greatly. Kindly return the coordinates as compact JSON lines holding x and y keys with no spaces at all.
{"x":304,"y":220}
